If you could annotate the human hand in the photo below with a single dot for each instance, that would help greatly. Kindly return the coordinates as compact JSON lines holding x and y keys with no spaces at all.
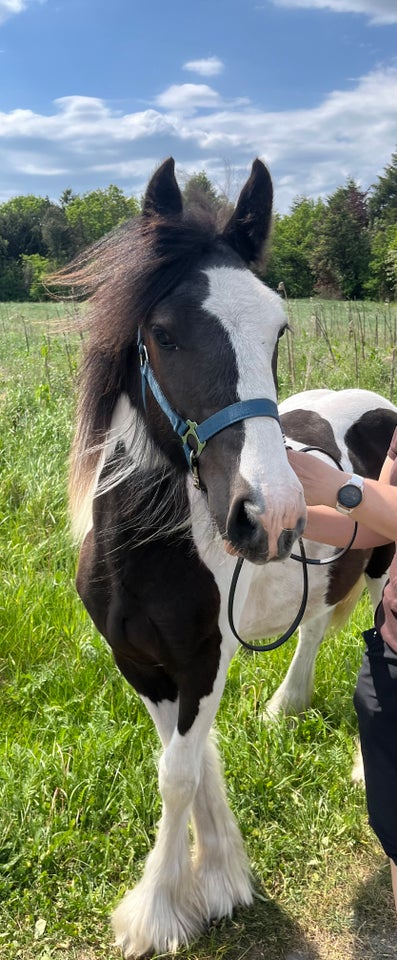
{"x":320,"y":480}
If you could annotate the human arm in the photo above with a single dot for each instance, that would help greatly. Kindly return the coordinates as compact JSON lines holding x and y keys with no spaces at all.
{"x":376,"y":514}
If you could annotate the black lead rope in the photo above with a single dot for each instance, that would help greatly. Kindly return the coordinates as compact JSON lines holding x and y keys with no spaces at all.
{"x":325,"y":560}
{"x":305,"y":561}
{"x":264,"y":647}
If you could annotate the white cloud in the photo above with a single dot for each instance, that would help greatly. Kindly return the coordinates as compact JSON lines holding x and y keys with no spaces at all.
{"x":188,"y":97}
{"x":85,"y":143}
{"x":312,"y":151}
{"x":379,"y":11}
{"x":8,"y":8}
{"x":209,"y":67}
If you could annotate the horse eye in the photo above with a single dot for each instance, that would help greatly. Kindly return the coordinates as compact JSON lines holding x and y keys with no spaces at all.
{"x":163,"y":338}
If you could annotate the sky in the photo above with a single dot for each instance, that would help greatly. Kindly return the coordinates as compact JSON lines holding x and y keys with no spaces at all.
{"x":95,"y":92}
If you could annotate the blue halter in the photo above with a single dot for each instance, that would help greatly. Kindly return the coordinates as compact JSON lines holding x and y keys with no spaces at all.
{"x":189,"y":430}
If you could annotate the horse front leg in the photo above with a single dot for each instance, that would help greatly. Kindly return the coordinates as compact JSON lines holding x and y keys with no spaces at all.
{"x":220,"y":861}
{"x":168,"y":907}
{"x":219,"y":858}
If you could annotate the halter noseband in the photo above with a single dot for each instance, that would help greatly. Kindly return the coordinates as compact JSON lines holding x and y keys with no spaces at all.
{"x":189,"y":430}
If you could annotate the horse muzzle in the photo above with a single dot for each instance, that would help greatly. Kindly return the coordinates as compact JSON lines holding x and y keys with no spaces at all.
{"x":247,"y":535}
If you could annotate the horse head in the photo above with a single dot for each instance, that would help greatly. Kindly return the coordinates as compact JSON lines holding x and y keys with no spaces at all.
{"x":208,"y":353}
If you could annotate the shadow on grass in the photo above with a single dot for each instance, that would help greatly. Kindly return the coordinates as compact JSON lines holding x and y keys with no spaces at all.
{"x":375,"y":922}
{"x":265,"y":931}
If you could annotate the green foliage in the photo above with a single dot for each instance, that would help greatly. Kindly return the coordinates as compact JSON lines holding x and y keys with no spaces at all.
{"x":391,"y":263}
{"x":344,"y":247}
{"x":291,"y":249}
{"x":96,"y":213}
{"x":58,"y":235}
{"x":383,"y":199}
{"x":20,"y":225}
{"x":35,"y":268}
{"x":340,"y":257}
{"x":33,"y":230}
{"x":382,"y":279}
{"x":12,"y":286}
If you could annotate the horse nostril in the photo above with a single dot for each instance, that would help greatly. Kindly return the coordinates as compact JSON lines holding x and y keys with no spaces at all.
{"x":242,"y":524}
{"x":285,"y":543}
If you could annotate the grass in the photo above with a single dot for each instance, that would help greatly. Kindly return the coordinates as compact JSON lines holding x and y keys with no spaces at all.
{"x":78,"y":794}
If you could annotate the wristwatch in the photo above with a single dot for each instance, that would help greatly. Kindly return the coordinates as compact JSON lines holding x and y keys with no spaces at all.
{"x":350,"y":495}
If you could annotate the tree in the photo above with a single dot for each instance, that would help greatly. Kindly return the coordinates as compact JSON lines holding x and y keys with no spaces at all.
{"x":199,"y":191}
{"x":34,"y":270}
{"x":380,"y":282}
{"x":391,"y":264}
{"x":341,"y":254}
{"x":21,"y":221}
{"x":58,"y":235}
{"x":291,"y":248}
{"x":12,"y":285}
{"x":93,"y":214}
{"x":66,"y":197}
{"x":383,"y":199}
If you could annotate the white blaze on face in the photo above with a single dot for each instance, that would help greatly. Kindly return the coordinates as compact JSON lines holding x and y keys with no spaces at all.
{"x":253,"y":316}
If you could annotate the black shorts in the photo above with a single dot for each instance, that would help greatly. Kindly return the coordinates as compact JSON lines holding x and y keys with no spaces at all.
{"x":375,"y":700}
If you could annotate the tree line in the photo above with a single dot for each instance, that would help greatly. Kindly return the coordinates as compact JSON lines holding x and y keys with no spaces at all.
{"x":341,"y":247}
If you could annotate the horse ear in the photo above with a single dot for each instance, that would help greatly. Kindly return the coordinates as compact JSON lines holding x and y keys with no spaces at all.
{"x":163,"y":195}
{"x":249,"y":225}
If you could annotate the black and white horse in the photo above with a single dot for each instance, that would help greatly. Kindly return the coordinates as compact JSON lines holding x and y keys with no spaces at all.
{"x":178,"y":449}
{"x":352,"y":429}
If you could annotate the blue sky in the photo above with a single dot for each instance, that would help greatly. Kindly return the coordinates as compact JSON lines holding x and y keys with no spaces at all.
{"x":94,"y":92}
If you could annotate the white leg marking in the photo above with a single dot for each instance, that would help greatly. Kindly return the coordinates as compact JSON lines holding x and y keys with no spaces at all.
{"x":165,"y":909}
{"x":168,"y":908}
{"x":164,"y":715}
{"x":220,"y":861}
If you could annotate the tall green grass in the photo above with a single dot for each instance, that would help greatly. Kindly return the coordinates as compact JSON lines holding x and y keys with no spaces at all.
{"x":78,"y":792}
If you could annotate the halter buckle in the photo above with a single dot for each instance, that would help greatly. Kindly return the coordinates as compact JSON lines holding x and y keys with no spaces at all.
{"x":192,"y":432}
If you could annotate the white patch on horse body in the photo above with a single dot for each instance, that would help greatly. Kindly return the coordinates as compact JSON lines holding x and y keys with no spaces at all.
{"x":253,"y":316}
{"x":265,"y":612}
{"x":341,"y":407}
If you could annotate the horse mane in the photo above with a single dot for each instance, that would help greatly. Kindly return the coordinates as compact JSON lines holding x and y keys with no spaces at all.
{"x":122,"y":277}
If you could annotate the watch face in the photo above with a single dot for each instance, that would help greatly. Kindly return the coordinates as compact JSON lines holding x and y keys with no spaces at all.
{"x":350,"y":496}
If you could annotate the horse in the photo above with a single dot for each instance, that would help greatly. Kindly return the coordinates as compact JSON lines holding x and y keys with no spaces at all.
{"x":178,"y":454}
{"x":351,"y":429}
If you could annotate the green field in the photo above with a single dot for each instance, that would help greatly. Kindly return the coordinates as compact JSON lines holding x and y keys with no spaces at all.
{"x":78,"y":795}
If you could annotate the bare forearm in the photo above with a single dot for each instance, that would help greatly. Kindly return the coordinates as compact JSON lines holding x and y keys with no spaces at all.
{"x":378,"y":510}
{"x":325,"y":525}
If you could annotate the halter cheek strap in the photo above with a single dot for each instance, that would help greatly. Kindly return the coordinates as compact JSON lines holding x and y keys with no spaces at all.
{"x":194,"y":436}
